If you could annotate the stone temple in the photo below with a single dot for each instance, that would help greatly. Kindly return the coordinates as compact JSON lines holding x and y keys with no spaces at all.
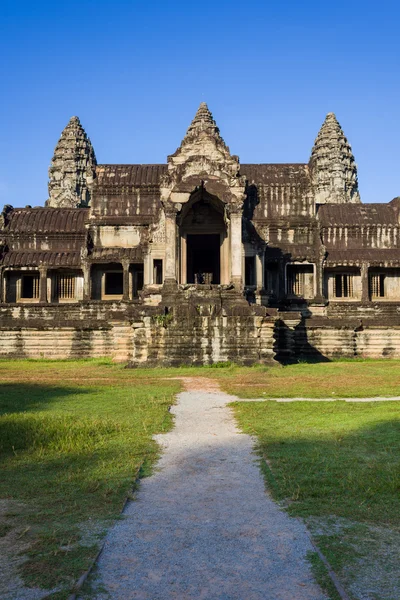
{"x":202,"y":259}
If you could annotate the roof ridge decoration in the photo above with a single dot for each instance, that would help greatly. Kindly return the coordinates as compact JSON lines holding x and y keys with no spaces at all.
{"x":203,"y":159}
{"x":203,"y":139}
{"x":332,"y":165}
{"x":203,"y":123}
{"x":72,"y":169}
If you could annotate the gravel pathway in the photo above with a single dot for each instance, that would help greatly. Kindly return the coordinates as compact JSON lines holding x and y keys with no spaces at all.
{"x":202,"y":526}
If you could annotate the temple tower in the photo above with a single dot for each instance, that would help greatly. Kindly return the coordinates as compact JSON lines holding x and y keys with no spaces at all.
{"x":72,"y":169}
{"x":202,"y":193}
{"x":332,"y":165}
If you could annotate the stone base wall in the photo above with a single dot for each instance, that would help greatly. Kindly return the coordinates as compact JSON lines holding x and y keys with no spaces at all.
{"x":146,"y":336}
{"x":324,"y":339}
{"x":141,"y":336}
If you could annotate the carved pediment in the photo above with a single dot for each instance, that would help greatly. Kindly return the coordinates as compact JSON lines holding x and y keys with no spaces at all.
{"x":203,"y":160}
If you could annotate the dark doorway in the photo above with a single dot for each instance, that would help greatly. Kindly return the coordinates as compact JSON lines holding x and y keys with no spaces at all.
{"x":203,"y":258}
{"x":113,"y":285}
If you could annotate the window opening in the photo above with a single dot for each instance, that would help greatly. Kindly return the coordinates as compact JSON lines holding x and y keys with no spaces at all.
{"x":157,"y":271}
{"x":298,"y":281}
{"x":249,"y":270}
{"x":377,"y":285}
{"x":66,"y":286}
{"x":30,"y":286}
{"x":271,"y":279}
{"x":114,"y":284}
{"x":137,"y":280}
{"x":343,"y":285}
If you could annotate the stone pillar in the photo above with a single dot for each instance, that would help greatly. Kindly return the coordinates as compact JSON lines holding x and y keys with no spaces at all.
{"x":86,"y":282}
{"x":320,"y":296}
{"x":236,"y":249}
{"x":183,"y":261}
{"x":281,"y":292}
{"x":43,"y":284}
{"x":319,"y":282}
{"x":170,"y":246}
{"x":146,"y":269}
{"x":364,"y":283}
{"x":125,"y":267}
{"x":260,"y":271}
{"x":2,"y":286}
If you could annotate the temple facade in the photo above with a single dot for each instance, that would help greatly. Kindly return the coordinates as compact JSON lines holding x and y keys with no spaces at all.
{"x":201,"y":259}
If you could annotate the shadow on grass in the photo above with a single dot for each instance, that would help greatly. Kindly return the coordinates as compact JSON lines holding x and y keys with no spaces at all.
{"x":22,"y":397}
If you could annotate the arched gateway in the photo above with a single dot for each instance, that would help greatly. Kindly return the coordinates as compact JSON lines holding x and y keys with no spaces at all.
{"x":202,"y":194}
{"x":203,"y":240}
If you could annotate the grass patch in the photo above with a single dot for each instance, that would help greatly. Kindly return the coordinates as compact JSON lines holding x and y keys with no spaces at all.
{"x":322,"y":576}
{"x":73,"y":436}
{"x":337,"y":465}
{"x":341,"y":378}
{"x":336,"y":379}
{"x":331,"y":458}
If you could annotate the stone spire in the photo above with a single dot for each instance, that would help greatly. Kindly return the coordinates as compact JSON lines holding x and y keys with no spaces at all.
{"x":332,"y":165}
{"x":72,"y":168}
{"x":203,"y":124}
{"x":202,"y":139}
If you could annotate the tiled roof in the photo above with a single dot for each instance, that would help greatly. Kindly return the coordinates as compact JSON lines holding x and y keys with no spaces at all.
{"x":274,"y":173}
{"x":369,"y":255}
{"x":129,"y":175}
{"x":143,"y":175}
{"x":357,"y":214}
{"x":46,"y":220}
{"x":31,"y":258}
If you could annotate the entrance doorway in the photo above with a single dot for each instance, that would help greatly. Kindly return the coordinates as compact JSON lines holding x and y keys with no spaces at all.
{"x":203,"y":258}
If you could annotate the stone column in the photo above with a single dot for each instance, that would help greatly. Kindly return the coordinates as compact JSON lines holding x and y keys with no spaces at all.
{"x":319,"y":275}
{"x":183,"y":261}
{"x":125,"y":267}
{"x":170,"y":246}
{"x":146,"y":269}
{"x":364,"y":283}
{"x":2,"y":294}
{"x":281,"y":291}
{"x":319,"y":283}
{"x":260,"y":271}
{"x":86,"y":282}
{"x":236,"y":249}
{"x":43,"y":284}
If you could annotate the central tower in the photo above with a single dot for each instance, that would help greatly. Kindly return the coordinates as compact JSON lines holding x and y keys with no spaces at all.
{"x":202,"y":194}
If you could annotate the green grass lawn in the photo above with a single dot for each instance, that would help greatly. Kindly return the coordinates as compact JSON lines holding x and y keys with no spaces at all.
{"x":336,"y":379}
{"x":337,"y":465}
{"x":70,"y":452}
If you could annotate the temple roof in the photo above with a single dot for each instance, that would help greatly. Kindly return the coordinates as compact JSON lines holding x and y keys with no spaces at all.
{"x":203,"y":121}
{"x":357,"y":214}
{"x":373,"y":256}
{"x":133,"y":175}
{"x":274,"y":173}
{"x":46,"y":220}
{"x":31,"y":258}
{"x":149,"y":175}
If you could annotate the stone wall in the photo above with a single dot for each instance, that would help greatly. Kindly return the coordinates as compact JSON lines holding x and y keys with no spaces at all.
{"x":129,"y":333}
{"x":125,"y":332}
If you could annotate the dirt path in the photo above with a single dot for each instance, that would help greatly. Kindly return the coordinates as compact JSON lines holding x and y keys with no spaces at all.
{"x":202,"y":526}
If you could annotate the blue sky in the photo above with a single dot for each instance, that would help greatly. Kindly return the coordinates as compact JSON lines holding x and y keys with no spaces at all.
{"x":135,"y":73}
